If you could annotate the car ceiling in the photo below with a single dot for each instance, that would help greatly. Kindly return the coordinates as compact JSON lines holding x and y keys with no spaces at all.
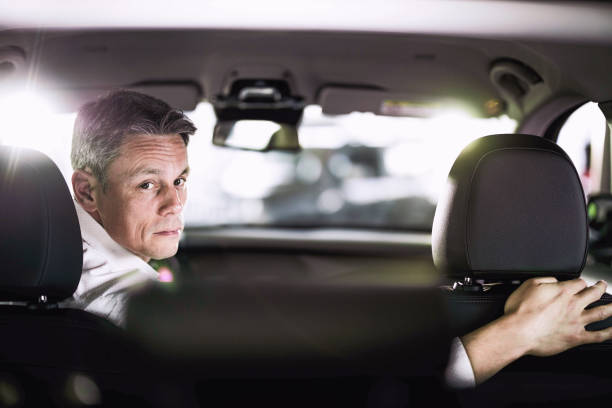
{"x":76,"y":64}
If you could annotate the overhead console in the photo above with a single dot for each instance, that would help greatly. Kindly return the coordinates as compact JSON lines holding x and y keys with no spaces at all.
{"x":259,"y":99}
{"x":258,"y":113}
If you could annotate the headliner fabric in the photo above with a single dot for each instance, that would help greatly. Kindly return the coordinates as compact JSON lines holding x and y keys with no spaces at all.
{"x":40,"y":244}
{"x":513,"y":208}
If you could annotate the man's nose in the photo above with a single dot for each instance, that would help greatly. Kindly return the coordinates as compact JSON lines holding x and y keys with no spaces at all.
{"x":172,"y":202}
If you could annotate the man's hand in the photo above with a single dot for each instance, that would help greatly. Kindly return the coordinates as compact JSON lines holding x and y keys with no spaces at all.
{"x":553,"y":314}
{"x":542,"y":317}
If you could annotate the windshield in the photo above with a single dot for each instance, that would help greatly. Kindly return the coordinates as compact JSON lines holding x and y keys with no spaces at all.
{"x":354,"y":170}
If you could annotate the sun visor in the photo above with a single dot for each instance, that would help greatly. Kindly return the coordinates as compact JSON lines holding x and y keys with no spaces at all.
{"x":336,"y":100}
{"x":181,"y":95}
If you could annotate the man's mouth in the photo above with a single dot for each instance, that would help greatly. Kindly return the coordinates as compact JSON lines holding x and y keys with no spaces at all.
{"x":168,"y":233}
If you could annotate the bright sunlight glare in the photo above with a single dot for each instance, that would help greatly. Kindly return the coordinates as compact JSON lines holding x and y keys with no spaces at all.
{"x":27,"y":120}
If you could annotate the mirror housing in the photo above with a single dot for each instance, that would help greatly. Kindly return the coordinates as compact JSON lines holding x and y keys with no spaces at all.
{"x":265,"y":107}
{"x":258,"y":135}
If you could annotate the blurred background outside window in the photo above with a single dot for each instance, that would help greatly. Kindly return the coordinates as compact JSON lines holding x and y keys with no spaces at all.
{"x":585,"y":127}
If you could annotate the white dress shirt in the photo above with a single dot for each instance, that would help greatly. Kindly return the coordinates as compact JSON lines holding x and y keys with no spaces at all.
{"x":110,"y":273}
{"x":459,"y":372}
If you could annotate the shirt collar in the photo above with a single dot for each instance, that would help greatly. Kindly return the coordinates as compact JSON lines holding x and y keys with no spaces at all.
{"x":96,"y":236}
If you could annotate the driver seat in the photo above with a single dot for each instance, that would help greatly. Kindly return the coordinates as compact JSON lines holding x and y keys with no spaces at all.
{"x":43,"y":346}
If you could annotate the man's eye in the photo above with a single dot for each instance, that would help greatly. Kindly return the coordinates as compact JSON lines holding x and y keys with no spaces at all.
{"x":180,"y":181}
{"x":146,"y":186}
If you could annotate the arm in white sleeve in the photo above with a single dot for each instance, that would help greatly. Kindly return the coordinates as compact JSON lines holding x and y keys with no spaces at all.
{"x":459,"y":372}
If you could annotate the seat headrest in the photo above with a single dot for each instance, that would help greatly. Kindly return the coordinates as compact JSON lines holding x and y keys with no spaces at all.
{"x":513,"y":208}
{"x":40,"y":244}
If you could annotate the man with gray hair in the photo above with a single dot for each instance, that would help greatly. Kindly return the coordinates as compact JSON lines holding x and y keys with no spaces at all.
{"x":130,"y":168}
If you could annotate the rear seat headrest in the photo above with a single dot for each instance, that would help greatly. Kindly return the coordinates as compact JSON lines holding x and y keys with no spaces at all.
{"x":40,"y":244}
{"x":513,"y":208}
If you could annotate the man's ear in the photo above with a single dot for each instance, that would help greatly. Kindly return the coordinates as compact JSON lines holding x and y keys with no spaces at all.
{"x":82,"y":185}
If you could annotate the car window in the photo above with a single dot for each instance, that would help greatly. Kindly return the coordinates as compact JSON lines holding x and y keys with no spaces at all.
{"x":583,"y":128}
{"x":354,"y":170}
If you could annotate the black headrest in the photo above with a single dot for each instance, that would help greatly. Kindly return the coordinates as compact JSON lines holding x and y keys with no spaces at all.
{"x":513,"y":208}
{"x":40,"y":241}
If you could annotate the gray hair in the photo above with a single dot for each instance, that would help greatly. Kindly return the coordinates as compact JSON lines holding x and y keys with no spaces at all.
{"x":103,"y":125}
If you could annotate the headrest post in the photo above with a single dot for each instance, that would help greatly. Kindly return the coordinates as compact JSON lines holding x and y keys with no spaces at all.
{"x":468,"y":285}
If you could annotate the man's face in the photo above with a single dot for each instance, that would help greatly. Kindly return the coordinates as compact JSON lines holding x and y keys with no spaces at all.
{"x":142,"y":206}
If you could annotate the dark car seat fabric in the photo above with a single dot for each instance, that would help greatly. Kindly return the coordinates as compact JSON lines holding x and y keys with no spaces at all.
{"x":40,"y":244}
{"x":513,"y":208}
{"x":42,"y":346}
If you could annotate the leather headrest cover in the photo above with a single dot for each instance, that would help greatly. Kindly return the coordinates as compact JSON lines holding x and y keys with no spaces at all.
{"x":40,"y":244}
{"x":513,"y":208}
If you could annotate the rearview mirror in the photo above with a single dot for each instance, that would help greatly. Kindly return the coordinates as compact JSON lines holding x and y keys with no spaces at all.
{"x":258,"y":135}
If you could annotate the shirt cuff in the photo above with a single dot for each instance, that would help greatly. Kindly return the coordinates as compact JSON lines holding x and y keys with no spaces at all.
{"x":459,"y":373}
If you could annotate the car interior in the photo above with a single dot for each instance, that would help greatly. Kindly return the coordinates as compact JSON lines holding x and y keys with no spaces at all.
{"x":334,"y":306}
